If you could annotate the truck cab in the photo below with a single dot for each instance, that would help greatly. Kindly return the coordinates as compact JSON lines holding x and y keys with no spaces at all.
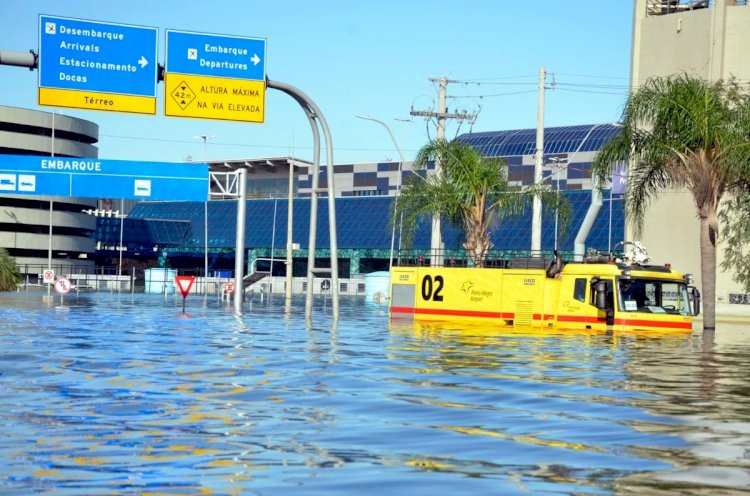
{"x":639,"y":297}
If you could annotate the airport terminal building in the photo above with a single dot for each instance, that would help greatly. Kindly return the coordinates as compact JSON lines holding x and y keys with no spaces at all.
{"x":173,"y":233}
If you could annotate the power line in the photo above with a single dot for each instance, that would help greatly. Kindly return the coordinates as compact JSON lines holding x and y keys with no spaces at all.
{"x":494,"y":94}
{"x":244,"y":145}
{"x":592,"y":76}
{"x":623,"y":92}
{"x":475,"y":80}
{"x":581,"y":85}
{"x":517,"y":83}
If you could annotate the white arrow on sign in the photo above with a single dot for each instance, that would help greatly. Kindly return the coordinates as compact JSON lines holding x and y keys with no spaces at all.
{"x":142,"y":62}
{"x":255,"y":59}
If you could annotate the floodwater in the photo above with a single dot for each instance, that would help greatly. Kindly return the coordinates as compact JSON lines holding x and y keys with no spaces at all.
{"x":125,"y":394}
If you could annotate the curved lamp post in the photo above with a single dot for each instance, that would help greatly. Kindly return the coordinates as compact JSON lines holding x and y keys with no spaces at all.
{"x":400,"y":177}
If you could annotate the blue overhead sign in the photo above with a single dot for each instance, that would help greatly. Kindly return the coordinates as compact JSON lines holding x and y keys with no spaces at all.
{"x":203,"y":54}
{"x":95,"y":178}
{"x":97,"y":65}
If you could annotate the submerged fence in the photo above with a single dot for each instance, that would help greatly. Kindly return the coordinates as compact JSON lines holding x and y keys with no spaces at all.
{"x":161,"y":280}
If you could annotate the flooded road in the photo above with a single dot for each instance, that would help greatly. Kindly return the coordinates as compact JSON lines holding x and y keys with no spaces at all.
{"x":125,"y":394}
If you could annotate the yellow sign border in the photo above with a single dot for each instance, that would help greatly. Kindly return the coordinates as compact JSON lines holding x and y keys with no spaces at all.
{"x":92,"y":100}
{"x":208,"y":97}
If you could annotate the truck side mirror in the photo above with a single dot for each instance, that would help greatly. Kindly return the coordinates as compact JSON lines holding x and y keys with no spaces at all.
{"x":602,"y":299}
{"x":695,"y":299}
{"x":600,"y":290}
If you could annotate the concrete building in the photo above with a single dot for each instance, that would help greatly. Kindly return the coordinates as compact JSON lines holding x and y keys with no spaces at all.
{"x":709,"y":40}
{"x":25,"y":219}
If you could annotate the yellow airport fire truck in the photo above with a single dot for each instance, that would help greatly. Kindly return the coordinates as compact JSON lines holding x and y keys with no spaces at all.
{"x":599,"y":293}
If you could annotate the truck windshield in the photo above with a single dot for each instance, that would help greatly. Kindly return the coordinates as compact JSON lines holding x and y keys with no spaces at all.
{"x":653,"y":296}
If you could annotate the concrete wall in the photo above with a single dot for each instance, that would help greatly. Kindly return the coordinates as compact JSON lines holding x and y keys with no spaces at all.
{"x":712,"y":43}
{"x":737,"y":43}
{"x":673,"y":43}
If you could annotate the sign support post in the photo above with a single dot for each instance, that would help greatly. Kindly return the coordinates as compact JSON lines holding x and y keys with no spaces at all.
{"x":239,"y":256}
{"x":62,"y":286}
{"x":184,"y":283}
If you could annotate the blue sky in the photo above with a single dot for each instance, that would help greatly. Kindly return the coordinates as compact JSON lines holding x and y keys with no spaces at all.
{"x":366,"y":58}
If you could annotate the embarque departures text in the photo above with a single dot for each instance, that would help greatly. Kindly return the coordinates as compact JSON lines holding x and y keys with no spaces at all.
{"x":224,"y":64}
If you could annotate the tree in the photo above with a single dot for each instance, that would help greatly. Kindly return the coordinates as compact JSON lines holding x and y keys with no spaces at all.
{"x":471,"y":192}
{"x":735,"y":234}
{"x":10,"y":277}
{"x":682,"y":132}
{"x":735,"y":211}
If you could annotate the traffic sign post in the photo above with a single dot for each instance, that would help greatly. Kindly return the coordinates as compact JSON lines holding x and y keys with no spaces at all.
{"x":83,"y":178}
{"x":62,"y":287}
{"x":184,"y":283}
{"x":215,"y":77}
{"x":97,"y":65}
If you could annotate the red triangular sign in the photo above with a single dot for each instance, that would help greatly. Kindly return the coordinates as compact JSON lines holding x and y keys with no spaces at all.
{"x":184,"y":283}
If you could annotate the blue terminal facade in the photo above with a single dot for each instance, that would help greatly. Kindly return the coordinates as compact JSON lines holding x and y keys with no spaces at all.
{"x":173,"y":232}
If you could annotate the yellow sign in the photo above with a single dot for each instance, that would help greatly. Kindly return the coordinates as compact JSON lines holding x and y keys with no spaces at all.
{"x":208,"y":97}
{"x":90,"y":100}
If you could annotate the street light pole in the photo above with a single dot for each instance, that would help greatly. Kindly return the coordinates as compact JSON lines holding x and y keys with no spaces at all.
{"x":400,"y":184}
{"x":51,"y":209}
{"x":119,"y":247}
{"x":205,"y":139}
{"x":579,"y":244}
{"x":400,"y":176}
{"x":558,"y":169}
{"x":569,"y":161}
{"x":289,"y":234}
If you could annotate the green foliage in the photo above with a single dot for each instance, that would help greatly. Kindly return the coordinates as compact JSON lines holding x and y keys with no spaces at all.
{"x":684,"y":132}
{"x":680,"y":131}
{"x":735,"y":222}
{"x":471,"y":192}
{"x":10,"y":277}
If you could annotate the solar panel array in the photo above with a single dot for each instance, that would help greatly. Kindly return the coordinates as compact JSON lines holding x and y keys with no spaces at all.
{"x":362,"y":223}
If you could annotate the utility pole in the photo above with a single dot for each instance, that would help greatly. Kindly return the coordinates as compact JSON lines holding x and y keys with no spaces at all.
{"x":289,"y":233}
{"x":436,"y":241}
{"x":536,"y":218}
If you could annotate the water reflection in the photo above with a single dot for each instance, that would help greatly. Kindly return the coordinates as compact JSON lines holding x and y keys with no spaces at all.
{"x":124,"y":394}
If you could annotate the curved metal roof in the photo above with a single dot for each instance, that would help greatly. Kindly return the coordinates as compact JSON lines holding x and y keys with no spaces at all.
{"x":565,"y":139}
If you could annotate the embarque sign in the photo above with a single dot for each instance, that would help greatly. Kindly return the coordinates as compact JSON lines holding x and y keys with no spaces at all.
{"x":96,"y":65}
{"x":215,"y":77}
{"x":92,"y":178}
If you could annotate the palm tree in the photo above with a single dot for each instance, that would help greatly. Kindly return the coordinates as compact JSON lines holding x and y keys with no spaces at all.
{"x":682,"y":132}
{"x":10,"y":277}
{"x":471,"y":191}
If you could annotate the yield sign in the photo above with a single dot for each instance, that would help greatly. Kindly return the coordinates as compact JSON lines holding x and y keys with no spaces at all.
{"x":184,"y":283}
